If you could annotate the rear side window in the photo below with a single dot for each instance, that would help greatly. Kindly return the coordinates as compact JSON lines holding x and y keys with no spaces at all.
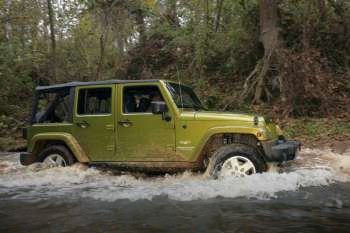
{"x":53,"y":107}
{"x":94,"y":101}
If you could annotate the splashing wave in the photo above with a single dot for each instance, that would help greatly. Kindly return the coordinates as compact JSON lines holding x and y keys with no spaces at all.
{"x":312,"y":168}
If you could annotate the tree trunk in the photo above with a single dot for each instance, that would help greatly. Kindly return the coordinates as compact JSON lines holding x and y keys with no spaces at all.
{"x":307,"y":26}
{"x":207,"y":17}
{"x":207,"y":28}
{"x":120,"y":43}
{"x":269,"y":36}
{"x":269,"y":29}
{"x":120,"y":18}
{"x":7,"y":25}
{"x":322,"y":9}
{"x":219,"y":4}
{"x":101,"y":58}
{"x":53,"y":39}
{"x":171,"y":13}
{"x":141,"y":26}
{"x":256,"y":82}
{"x":34,"y":44}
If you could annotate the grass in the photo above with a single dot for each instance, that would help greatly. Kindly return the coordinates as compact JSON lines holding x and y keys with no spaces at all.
{"x":313,"y":130}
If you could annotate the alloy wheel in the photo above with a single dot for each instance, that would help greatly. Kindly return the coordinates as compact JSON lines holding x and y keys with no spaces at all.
{"x":237,"y":166}
{"x":55,"y":160}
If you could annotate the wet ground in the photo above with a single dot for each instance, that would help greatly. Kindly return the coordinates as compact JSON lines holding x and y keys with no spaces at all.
{"x":311,"y":194}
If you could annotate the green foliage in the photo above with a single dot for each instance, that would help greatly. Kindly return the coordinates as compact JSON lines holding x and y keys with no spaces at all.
{"x":212,"y":45}
{"x":316,"y":128}
{"x":320,"y":27}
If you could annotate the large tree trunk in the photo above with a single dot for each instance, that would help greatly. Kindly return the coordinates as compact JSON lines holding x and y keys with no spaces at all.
{"x":269,"y":37}
{"x":269,"y":29}
{"x":256,"y":83}
{"x":53,"y":39}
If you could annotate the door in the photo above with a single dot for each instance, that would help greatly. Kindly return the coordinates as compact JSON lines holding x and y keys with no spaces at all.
{"x":141,"y":135}
{"x":94,"y":121}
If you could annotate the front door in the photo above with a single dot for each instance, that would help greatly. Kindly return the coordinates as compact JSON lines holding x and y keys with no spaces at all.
{"x":141,"y":135}
{"x":94,"y":121}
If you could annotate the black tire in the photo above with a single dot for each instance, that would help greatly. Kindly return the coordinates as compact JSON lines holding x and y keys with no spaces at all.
{"x":226,"y":152}
{"x":57,"y":149}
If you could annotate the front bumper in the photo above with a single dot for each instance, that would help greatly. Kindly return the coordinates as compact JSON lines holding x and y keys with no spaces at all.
{"x":26,"y":158}
{"x":281,"y":150}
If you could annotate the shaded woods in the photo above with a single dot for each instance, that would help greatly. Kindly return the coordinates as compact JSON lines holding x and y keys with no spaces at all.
{"x":290,"y":58}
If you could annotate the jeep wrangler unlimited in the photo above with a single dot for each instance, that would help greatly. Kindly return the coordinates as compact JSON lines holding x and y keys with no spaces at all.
{"x":152,"y":125}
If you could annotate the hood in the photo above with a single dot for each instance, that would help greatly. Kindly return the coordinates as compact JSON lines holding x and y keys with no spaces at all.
{"x":269,"y":128}
{"x":217,"y":116}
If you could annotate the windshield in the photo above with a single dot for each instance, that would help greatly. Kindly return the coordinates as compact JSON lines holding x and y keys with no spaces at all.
{"x":184,"y":97}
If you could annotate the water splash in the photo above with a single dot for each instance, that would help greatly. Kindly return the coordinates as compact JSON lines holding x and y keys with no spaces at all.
{"x":312,"y":168}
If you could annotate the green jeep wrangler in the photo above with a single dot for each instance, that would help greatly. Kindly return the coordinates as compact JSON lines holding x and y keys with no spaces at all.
{"x":148,"y":125}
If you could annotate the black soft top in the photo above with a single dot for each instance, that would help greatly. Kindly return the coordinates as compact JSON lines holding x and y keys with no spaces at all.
{"x":76,"y":83}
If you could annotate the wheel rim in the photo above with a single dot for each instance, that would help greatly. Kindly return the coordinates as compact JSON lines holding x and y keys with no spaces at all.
{"x":237,"y":166}
{"x":55,"y":160}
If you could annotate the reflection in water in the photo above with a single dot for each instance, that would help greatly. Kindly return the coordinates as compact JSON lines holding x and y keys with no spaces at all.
{"x":310,"y":192}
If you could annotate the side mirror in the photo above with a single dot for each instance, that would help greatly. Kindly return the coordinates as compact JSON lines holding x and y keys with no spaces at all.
{"x":159,"y":107}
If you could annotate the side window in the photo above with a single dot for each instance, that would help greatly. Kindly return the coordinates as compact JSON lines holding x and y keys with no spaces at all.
{"x":138,"y":99}
{"x":53,"y":107}
{"x":94,"y":101}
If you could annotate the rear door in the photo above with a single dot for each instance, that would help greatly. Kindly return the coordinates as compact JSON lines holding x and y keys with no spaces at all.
{"x":93,"y":121}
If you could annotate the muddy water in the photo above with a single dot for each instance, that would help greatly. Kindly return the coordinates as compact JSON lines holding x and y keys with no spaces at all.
{"x":311,"y":194}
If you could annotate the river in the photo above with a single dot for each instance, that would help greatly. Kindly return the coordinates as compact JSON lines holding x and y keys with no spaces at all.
{"x":310,"y":194}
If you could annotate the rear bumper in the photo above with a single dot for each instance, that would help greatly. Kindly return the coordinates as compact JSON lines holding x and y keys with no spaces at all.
{"x":280,"y":151}
{"x":26,"y":158}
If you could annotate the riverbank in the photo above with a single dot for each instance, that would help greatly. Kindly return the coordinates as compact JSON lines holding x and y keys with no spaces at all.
{"x":319,"y":133}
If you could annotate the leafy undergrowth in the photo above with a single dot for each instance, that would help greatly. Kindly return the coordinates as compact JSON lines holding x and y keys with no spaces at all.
{"x":10,"y":134}
{"x":318,"y":132}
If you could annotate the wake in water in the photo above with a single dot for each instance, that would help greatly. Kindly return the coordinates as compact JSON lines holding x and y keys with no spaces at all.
{"x":312,"y":168}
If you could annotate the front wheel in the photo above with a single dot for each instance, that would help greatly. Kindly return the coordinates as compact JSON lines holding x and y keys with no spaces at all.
{"x":56,"y":156}
{"x":235,"y":160}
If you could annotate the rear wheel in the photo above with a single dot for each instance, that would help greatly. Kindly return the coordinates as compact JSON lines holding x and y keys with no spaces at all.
{"x":236,"y":160}
{"x":56,"y":156}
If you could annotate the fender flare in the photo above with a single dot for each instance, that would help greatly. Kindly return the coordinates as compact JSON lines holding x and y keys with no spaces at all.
{"x":225,"y":129}
{"x":67,"y":138}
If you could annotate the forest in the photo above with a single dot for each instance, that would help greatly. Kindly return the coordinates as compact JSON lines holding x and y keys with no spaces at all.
{"x":286,"y":58}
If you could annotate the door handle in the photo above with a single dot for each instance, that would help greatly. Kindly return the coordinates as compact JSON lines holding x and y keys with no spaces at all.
{"x":82,"y":124}
{"x":125,"y":123}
